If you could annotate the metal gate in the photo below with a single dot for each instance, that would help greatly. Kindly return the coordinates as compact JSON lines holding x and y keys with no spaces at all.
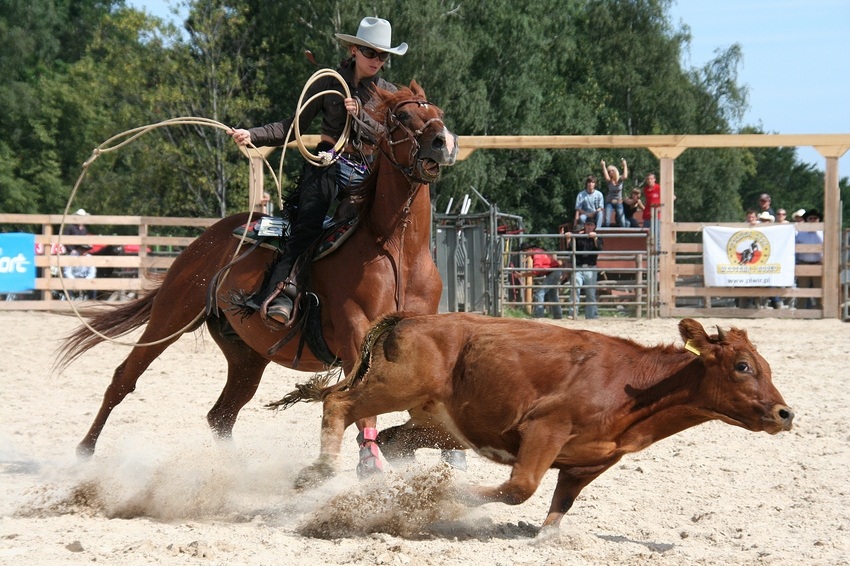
{"x":477,"y":257}
{"x":467,"y":250}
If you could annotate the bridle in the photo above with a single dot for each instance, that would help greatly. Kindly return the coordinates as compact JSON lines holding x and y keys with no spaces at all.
{"x":414,"y":172}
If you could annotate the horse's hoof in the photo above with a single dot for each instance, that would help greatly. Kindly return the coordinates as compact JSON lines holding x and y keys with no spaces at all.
{"x":85,"y":452}
{"x":454,"y":458}
{"x":370,"y":464}
{"x":314,"y":475}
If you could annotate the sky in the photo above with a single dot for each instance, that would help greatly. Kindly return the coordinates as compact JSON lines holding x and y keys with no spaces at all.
{"x":796,"y":60}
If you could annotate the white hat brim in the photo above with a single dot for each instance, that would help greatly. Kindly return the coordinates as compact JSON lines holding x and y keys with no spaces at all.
{"x":348,"y":40}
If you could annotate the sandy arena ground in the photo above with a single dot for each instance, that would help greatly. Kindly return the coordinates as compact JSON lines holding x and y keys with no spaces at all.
{"x":160,"y":490}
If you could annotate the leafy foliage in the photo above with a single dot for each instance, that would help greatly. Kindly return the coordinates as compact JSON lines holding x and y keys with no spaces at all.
{"x":77,"y":73}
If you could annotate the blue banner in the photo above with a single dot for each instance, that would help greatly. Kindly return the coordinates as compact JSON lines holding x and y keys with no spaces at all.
{"x":17,"y":262}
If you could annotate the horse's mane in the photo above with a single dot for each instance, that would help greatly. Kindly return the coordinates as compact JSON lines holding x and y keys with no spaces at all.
{"x":363,"y":195}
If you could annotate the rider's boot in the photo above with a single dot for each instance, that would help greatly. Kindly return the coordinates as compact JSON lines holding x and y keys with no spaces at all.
{"x":317,"y":192}
{"x":370,"y":462}
{"x":279,"y":292}
{"x":278,"y":305}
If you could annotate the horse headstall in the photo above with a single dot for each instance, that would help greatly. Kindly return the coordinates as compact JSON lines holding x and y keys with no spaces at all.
{"x":415,"y":171}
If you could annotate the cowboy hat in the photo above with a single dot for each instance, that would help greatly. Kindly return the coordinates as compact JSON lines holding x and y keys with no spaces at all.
{"x":81,"y":212}
{"x":376,"y":33}
{"x":813,"y":212}
{"x":799,"y":213}
{"x":766,"y":217}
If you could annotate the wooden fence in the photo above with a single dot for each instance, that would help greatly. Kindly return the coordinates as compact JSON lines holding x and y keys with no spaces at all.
{"x":681,"y":291}
{"x":153,"y":250}
{"x":690,"y":296}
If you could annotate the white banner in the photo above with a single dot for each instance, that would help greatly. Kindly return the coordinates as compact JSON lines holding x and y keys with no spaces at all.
{"x":755,"y":256}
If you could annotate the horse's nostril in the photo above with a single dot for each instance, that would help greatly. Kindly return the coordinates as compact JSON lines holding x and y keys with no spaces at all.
{"x":439,"y":142}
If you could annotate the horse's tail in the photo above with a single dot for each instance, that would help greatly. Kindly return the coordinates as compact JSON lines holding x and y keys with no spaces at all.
{"x":318,"y":387}
{"x":112,"y":323}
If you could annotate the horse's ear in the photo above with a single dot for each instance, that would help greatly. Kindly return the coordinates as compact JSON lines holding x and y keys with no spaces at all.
{"x":416,"y":89}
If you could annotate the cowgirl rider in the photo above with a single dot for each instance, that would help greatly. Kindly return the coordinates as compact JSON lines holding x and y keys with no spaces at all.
{"x":368,"y":51}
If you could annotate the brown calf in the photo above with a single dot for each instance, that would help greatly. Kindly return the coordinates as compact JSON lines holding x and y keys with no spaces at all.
{"x":538,"y":396}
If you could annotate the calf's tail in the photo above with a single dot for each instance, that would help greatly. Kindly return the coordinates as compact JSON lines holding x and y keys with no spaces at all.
{"x":318,"y":387}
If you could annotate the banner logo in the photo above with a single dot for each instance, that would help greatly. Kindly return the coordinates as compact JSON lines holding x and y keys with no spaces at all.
{"x":748,"y":251}
{"x":17,"y":262}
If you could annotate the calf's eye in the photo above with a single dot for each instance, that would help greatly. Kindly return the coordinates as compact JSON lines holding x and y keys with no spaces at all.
{"x":743,"y":367}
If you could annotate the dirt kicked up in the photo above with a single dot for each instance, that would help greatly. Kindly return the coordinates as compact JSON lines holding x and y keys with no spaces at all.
{"x":160,"y":490}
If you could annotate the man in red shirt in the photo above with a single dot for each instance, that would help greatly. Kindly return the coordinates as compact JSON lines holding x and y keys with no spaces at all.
{"x":544,"y":265}
{"x":652,"y":195}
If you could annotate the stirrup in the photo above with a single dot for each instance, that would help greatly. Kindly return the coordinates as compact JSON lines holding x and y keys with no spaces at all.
{"x":279,"y":304}
{"x":280,"y":309}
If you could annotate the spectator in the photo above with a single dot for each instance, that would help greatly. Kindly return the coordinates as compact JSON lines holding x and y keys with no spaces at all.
{"x":798,"y":215}
{"x":633,"y":205}
{"x":585,"y":274}
{"x":77,"y":230}
{"x":765,"y":217}
{"x":589,"y":203}
{"x":652,"y":194}
{"x":543,"y":266}
{"x":764,"y":204}
{"x":752,"y":217}
{"x":80,"y":272}
{"x":810,"y":258}
{"x":782,"y":216}
{"x":614,"y":199}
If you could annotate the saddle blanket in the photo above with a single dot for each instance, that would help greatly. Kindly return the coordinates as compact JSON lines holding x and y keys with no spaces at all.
{"x":271,"y":231}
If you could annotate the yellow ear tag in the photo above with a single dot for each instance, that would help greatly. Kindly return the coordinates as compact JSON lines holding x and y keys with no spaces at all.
{"x":690,"y":347}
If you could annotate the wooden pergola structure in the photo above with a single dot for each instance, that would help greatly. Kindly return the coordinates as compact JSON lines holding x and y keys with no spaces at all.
{"x":667,"y":148}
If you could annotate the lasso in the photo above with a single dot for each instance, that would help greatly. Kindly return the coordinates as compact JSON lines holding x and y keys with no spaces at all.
{"x":322,"y":159}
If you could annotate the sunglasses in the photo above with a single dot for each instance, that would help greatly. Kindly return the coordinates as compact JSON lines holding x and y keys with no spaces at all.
{"x":370,"y":53}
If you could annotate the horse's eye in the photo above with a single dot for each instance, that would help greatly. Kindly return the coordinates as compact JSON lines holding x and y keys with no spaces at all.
{"x":743,"y":367}
{"x":403,"y":116}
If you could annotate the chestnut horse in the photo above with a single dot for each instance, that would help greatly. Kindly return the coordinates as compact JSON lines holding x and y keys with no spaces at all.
{"x":385,"y":265}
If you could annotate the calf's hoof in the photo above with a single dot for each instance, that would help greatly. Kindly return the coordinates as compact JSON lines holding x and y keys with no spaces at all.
{"x":85,"y":451}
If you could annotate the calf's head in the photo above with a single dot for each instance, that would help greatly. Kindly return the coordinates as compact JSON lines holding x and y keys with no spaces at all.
{"x":737,"y":386}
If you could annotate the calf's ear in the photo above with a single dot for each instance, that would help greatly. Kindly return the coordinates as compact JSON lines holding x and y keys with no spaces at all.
{"x":694,"y":335}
